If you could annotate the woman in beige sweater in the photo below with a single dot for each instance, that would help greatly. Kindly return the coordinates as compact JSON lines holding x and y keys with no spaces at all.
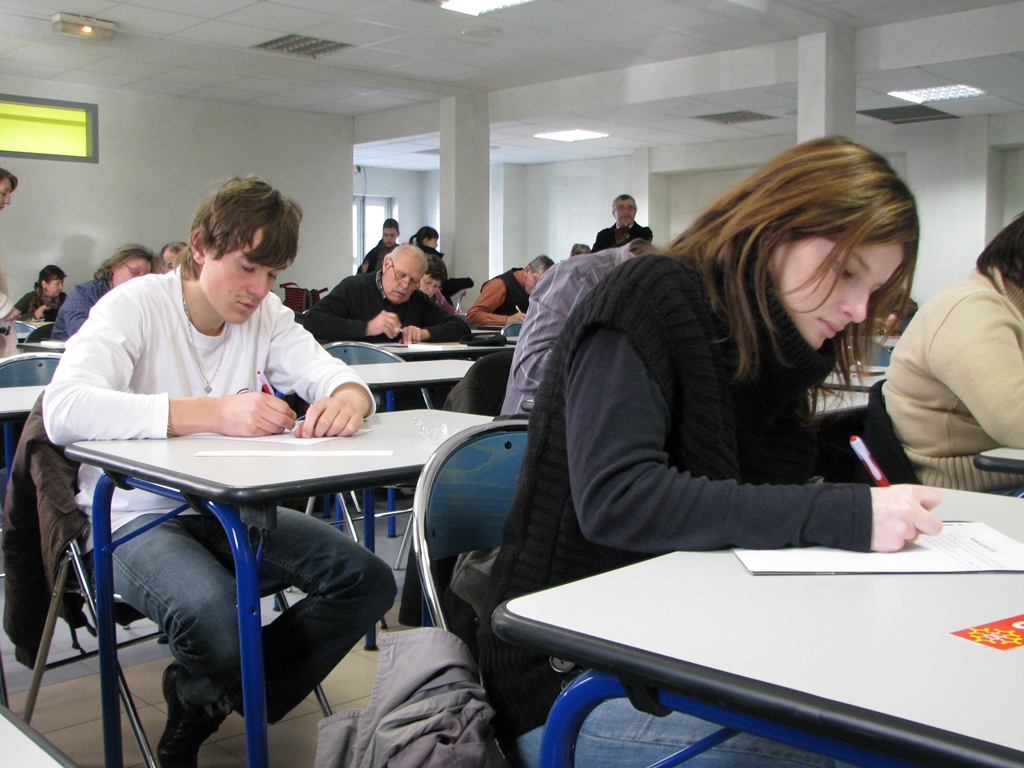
{"x":956,"y":382}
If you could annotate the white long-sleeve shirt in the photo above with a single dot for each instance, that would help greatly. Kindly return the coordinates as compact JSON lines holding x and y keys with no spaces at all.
{"x":132,"y":355}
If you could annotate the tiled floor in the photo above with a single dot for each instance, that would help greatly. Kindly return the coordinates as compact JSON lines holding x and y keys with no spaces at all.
{"x":67,"y":711}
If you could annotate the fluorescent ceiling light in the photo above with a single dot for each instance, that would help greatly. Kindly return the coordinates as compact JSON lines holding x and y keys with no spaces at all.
{"x":476,"y":7}
{"x":83,"y":26}
{"x":571,"y":135}
{"x":942,"y":93}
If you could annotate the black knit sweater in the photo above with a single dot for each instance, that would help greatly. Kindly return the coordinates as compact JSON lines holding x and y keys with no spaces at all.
{"x":720,"y":430}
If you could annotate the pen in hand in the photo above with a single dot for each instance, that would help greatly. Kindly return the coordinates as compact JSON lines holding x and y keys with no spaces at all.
{"x":861,"y":449}
{"x":264,"y":384}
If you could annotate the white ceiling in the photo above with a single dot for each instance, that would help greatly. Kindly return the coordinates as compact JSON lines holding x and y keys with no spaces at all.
{"x":410,"y":52}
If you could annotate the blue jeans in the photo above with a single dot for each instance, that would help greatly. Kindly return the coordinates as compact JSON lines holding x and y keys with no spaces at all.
{"x":180,"y":575}
{"x":616,"y":735}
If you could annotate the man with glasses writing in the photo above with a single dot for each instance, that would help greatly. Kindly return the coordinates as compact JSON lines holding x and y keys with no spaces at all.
{"x":384,"y":306}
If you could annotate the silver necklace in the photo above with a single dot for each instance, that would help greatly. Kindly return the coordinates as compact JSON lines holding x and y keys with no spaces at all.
{"x":195,"y":351}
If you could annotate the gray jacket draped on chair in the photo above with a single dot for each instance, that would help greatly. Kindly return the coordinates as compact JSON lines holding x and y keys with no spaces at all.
{"x":427,"y":708}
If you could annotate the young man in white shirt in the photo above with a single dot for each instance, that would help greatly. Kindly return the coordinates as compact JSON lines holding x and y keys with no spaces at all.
{"x":178,"y":354}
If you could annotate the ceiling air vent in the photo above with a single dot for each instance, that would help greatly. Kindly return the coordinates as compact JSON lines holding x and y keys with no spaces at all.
{"x":733,"y":118}
{"x":297,"y":45}
{"x":912,"y":113}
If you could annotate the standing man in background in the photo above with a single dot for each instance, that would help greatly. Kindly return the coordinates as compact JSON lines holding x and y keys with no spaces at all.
{"x":8,"y":313}
{"x":625,"y":229}
{"x":388,"y":241}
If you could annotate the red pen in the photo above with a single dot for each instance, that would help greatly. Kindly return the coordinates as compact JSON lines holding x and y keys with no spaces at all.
{"x":861,"y":449}
{"x":264,"y":384}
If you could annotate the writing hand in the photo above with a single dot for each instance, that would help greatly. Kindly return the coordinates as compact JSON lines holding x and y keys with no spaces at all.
{"x":386,"y":323}
{"x":900,"y":513}
{"x":329,"y":417}
{"x":253,"y":414}
{"x":413,"y":335}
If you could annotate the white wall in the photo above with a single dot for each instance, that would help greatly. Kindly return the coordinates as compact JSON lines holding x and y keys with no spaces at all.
{"x":689,"y":193}
{"x":407,"y":190}
{"x":157,"y":157}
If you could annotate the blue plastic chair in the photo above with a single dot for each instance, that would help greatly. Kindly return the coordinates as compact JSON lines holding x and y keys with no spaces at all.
{"x":462,"y":497}
{"x":28,"y":370}
{"x":511,"y":331}
{"x":361,"y":353}
{"x":23,"y":329}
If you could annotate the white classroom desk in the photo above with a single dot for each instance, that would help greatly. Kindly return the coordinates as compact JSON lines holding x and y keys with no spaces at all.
{"x":24,"y":747}
{"x":860,"y":381}
{"x":448,"y":351}
{"x":868,"y":659}
{"x":841,"y":401}
{"x":16,"y":402}
{"x":252,"y":486}
{"x":414,"y":373}
{"x":1001,"y":460}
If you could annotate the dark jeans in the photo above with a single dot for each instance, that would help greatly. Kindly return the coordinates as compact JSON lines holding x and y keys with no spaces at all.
{"x":180,"y":575}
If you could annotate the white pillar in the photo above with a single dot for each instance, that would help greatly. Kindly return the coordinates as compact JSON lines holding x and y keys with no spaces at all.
{"x":465,"y":184}
{"x":826,"y":84}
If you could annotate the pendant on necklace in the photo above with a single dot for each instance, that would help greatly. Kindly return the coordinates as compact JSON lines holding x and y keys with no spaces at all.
{"x":208,"y":389}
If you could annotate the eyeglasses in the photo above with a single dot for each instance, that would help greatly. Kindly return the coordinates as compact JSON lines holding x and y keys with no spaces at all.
{"x":404,"y":278}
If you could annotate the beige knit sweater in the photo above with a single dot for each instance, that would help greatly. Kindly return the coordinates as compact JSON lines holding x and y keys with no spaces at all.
{"x":956,"y":383}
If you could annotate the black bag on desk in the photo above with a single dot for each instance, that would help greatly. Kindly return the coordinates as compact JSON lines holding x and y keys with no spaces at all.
{"x":485,"y":340}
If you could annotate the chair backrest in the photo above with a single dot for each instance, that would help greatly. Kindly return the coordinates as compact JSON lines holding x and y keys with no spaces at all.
{"x":462,"y":497}
{"x":511,"y":331}
{"x":29,"y":369}
{"x":21,"y":327}
{"x":361,"y":353}
{"x":41,"y":333}
{"x":881,"y":440}
{"x":482,"y":389}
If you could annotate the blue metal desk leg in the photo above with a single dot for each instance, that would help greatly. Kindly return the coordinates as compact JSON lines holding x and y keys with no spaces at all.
{"x":250,"y":634}
{"x":104,"y":574}
{"x":369,"y":541}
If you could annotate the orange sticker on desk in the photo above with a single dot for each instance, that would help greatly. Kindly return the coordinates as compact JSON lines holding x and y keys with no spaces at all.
{"x":1002,"y":635}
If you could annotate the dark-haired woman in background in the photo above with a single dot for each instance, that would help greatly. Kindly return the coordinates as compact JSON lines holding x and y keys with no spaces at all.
{"x":956,"y":382}
{"x":43,"y":302}
{"x":673,"y":416}
{"x":427,"y":238}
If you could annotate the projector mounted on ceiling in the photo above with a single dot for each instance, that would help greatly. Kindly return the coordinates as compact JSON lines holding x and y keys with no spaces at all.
{"x":83,"y":26}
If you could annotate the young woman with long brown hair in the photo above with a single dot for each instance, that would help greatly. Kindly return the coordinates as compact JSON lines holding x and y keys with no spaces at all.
{"x":674,"y":415}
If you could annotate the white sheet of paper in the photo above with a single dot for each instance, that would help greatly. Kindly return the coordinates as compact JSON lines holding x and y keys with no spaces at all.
{"x":289,"y":454}
{"x":962,"y":547}
{"x":286,"y":438}
{"x":427,"y":346}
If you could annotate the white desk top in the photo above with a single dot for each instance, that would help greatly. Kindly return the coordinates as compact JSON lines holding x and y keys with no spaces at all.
{"x":1001,"y":460}
{"x":411,"y":435}
{"x":16,"y":402}
{"x":810,"y":644}
{"x":25,"y":748}
{"x":449,"y":350}
{"x":833,"y":401}
{"x":860,"y":381}
{"x":417,"y":373}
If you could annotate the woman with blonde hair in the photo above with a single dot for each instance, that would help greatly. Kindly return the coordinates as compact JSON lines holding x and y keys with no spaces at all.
{"x":713,"y":352}
{"x":127,"y":262}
